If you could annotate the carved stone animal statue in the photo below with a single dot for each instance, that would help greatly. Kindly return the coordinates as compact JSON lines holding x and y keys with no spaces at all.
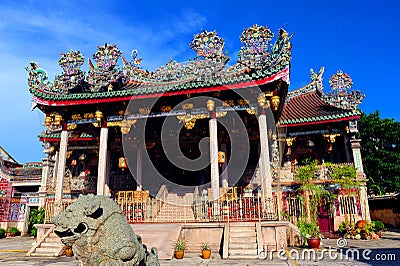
{"x":99,"y":234}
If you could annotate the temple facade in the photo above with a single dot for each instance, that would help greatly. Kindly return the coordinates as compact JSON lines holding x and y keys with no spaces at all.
{"x":200,"y":141}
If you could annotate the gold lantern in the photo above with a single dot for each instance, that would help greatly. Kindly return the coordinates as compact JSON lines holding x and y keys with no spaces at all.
{"x":221,"y":157}
{"x":57,"y":120}
{"x":210,"y":105}
{"x":262,"y":101}
{"x":275,"y":101}
{"x":99,"y":115}
{"x":47,"y":121}
{"x":122,"y":163}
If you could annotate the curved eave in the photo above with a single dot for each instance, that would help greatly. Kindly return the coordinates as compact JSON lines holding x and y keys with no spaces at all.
{"x":69,"y":139}
{"x":127,"y":95}
{"x":312,"y":121}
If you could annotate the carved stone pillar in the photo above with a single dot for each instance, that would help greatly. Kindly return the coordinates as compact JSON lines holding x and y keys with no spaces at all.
{"x":265,"y":166}
{"x":102,"y":170}
{"x":139,"y":163}
{"x":62,"y":158}
{"x":356,"y":148}
{"x":47,"y":164}
{"x":225,"y":182}
{"x":213,"y":150}
{"x":214,"y":158}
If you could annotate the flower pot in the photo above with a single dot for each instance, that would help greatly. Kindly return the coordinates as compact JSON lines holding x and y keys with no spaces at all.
{"x":314,"y":242}
{"x":179,"y":254}
{"x":361,"y":224}
{"x":69,"y":252}
{"x":206,"y":253}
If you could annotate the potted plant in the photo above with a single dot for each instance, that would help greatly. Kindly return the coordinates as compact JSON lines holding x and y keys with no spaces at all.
{"x":68,"y":251}
{"x":205,"y":251}
{"x":2,"y":233}
{"x":13,"y":231}
{"x":179,"y":248}
{"x":309,"y":231}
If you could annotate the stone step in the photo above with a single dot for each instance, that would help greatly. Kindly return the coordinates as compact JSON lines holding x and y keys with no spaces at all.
{"x":245,"y":245}
{"x":243,"y":251}
{"x":52,"y":240}
{"x":47,"y":250}
{"x":242,"y":234}
{"x":51,"y":244}
{"x":242,"y":228}
{"x":238,"y":257}
{"x":44,"y":255}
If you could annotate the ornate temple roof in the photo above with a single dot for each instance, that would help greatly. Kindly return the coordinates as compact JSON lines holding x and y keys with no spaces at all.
{"x":259,"y":62}
{"x":310,"y":105}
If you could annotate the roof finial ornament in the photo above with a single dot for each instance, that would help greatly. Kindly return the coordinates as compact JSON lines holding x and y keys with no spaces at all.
{"x":341,"y":95}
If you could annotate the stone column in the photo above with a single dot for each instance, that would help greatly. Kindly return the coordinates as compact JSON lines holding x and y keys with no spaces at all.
{"x":225,"y":182}
{"x":62,"y":159}
{"x":102,"y":170}
{"x":265,"y":166}
{"x":107,"y":191}
{"x":47,"y":163}
{"x":214,"y":158}
{"x":139,"y":162}
{"x":356,"y":148}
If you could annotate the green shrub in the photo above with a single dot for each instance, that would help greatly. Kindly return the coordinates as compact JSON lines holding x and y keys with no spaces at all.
{"x":379,"y":226}
{"x":2,"y":232}
{"x":36,"y":216}
{"x":14,"y":230}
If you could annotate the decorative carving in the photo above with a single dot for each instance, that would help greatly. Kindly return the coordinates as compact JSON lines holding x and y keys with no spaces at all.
{"x":340,"y":95}
{"x":38,"y":78}
{"x":97,"y":231}
{"x":105,"y":70}
{"x":257,"y":38}
{"x":255,"y":52}
{"x":207,"y":44}
{"x":71,"y":75}
{"x":206,"y":69}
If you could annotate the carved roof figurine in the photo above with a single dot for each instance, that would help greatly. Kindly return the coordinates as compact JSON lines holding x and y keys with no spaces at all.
{"x":104,"y":71}
{"x":341,"y":95}
{"x":310,"y":105}
{"x":38,"y":78}
{"x":99,"y":234}
{"x":71,"y":63}
{"x":207,"y":44}
{"x":256,"y":54}
{"x":207,"y":71}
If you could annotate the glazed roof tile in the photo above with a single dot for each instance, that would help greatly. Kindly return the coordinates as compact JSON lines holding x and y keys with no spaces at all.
{"x":309,"y":107}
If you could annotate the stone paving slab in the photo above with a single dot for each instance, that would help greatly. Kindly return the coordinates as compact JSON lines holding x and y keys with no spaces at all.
{"x":13,"y":253}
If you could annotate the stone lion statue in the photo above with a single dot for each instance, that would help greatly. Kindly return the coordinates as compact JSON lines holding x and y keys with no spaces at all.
{"x":99,"y":234}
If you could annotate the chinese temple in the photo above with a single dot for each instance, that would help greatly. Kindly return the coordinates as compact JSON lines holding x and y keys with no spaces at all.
{"x":201,"y":144}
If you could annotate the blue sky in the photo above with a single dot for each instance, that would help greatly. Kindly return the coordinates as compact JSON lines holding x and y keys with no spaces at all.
{"x":359,"y":37}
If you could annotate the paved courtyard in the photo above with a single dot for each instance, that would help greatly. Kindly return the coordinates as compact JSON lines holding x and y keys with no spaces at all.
{"x":385,"y":251}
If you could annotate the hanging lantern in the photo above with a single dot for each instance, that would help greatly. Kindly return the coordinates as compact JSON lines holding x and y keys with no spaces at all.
{"x":99,"y":115}
{"x":47,"y":121}
{"x":210,"y":105}
{"x":122,"y":163}
{"x":275,"y":101}
{"x":221,"y":157}
{"x":57,"y":120}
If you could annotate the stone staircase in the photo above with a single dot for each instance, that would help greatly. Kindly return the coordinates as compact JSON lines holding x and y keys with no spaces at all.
{"x":242,"y":241}
{"x":176,"y":208}
{"x":48,"y":245}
